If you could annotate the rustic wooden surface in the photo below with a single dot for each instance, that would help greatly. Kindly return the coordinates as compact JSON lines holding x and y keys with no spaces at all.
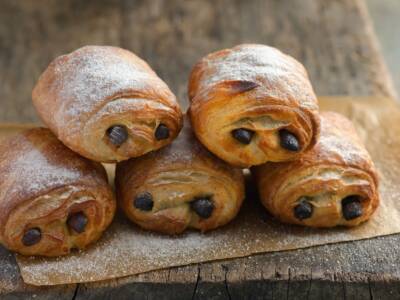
{"x":332,"y":38}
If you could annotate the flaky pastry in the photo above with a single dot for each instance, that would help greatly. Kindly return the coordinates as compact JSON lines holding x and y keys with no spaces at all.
{"x":180,"y":186}
{"x":251,"y":104}
{"x":335,"y":183}
{"x":106,"y":104}
{"x":51,"y":199}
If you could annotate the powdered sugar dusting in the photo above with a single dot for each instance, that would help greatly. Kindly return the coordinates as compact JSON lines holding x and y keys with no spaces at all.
{"x":248,"y":63}
{"x":346,"y":146}
{"x":282,"y":76}
{"x":90,"y":76}
{"x":126,"y":250}
{"x":33,"y":172}
{"x":41,"y":173}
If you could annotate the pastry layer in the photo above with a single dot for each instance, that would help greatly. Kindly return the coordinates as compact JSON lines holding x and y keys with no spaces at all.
{"x":333,"y":184}
{"x":178,"y":187}
{"x":257,"y":89}
{"x":51,"y":199}
{"x":83,"y":95}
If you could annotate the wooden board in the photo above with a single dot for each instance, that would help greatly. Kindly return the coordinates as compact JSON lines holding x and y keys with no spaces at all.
{"x":332,"y":38}
{"x":126,"y":250}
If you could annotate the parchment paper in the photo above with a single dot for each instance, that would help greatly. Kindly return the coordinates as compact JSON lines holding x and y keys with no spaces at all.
{"x":126,"y":250}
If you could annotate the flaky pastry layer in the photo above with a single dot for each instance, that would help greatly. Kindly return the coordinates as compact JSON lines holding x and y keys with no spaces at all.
{"x":175,"y":177}
{"x":43,"y":186}
{"x":333,"y":184}
{"x":84,"y":94}
{"x":256,"y":88}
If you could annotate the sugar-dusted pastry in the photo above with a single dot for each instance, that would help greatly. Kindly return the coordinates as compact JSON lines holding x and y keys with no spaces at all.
{"x":178,"y":187}
{"x":51,"y":199}
{"x":251,"y":104}
{"x":106,"y":104}
{"x":335,"y":183}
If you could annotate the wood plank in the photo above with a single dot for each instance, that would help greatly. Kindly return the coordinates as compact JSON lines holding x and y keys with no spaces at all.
{"x":333,"y":39}
{"x":12,"y":287}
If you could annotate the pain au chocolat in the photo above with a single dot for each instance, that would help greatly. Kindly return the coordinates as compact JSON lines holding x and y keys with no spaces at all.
{"x":251,"y":104}
{"x":335,"y":183}
{"x":51,"y":199}
{"x":106,"y":104}
{"x":179,"y":186}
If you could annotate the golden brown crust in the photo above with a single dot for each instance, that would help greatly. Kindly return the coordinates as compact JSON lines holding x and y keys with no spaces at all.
{"x":174,"y":176}
{"x":82,"y":94}
{"x":42,"y":183}
{"x":337,"y":167}
{"x":254,"y":87}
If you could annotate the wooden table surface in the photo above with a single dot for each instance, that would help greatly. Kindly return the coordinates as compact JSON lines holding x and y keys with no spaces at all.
{"x":334,"y":40}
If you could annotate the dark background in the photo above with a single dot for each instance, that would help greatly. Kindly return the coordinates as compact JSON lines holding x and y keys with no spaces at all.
{"x":385,"y":15}
{"x":329,"y":37}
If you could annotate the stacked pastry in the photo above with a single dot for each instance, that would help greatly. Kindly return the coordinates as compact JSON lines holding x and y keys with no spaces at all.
{"x":104,"y":104}
{"x":250,"y":106}
{"x":51,"y":199}
{"x":254,"y":106}
{"x":181,"y":186}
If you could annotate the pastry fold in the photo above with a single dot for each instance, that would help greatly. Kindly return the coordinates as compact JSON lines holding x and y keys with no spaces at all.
{"x":178,"y":187}
{"x":106,"y":104}
{"x":251,"y":104}
{"x":51,"y":199}
{"x":335,"y":183}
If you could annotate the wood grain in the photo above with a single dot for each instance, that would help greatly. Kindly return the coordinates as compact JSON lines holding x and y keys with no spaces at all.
{"x":333,"y":39}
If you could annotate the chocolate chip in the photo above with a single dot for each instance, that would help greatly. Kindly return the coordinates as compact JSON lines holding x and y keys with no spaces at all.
{"x":288,"y":140}
{"x":117,"y":134}
{"x":31,"y":237}
{"x":77,"y":222}
{"x":144,"y":201}
{"x":203,"y":207}
{"x":243,"y":135}
{"x":351,"y":207}
{"x":162,"y":132}
{"x":303,"y":210}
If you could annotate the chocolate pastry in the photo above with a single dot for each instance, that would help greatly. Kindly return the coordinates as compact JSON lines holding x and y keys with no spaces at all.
{"x":51,"y":199}
{"x":106,"y":104}
{"x":252,"y":104}
{"x":335,"y":183}
{"x":179,"y":186}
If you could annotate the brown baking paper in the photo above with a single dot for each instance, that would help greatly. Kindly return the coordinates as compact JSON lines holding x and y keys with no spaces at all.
{"x":126,"y":250}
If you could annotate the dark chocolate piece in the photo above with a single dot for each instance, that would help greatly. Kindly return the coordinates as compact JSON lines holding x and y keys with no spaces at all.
{"x":303,"y":210}
{"x":77,"y":222}
{"x":243,"y":135}
{"x":144,"y":201}
{"x":162,"y":132}
{"x":352,"y":207}
{"x":31,"y":237}
{"x":288,"y":140}
{"x":117,"y":134}
{"x":203,"y":207}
